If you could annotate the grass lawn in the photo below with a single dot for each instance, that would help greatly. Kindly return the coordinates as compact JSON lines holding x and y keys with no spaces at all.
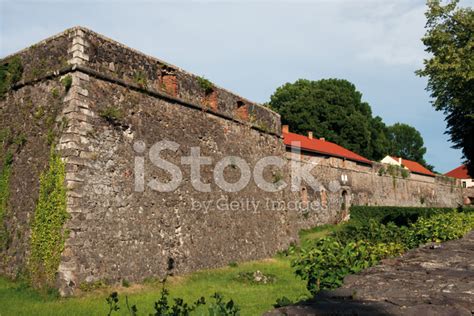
{"x":307,"y":236}
{"x":253,"y":299}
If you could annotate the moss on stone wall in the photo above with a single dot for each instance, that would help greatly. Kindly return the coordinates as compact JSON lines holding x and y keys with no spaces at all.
{"x":10,"y":73}
{"x":47,"y":230}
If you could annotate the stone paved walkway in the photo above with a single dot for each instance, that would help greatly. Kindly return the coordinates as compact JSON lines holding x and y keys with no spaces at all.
{"x":431,"y":280}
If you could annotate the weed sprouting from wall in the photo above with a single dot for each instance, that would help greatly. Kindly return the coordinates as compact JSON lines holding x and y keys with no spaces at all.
{"x":48,"y":234}
{"x":112,"y":114}
{"x":206,"y":85}
{"x":140,"y":79}
{"x":10,"y":73}
{"x":67,"y":82}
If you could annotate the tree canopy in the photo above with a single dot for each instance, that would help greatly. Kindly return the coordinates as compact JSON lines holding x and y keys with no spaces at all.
{"x":406,"y":142}
{"x":450,"y":71}
{"x":333,"y":109}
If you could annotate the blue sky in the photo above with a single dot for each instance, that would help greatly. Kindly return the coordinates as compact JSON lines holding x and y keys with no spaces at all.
{"x":252,"y":47}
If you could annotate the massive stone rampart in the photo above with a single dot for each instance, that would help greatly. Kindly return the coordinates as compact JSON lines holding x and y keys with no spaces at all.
{"x":104,"y":123}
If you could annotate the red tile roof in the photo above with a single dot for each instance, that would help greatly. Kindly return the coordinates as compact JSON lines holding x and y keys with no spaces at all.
{"x":415,"y":167}
{"x":459,"y":173}
{"x":322,"y":147}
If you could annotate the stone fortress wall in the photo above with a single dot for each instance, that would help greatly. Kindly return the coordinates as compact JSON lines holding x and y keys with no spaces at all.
{"x":118,"y":233}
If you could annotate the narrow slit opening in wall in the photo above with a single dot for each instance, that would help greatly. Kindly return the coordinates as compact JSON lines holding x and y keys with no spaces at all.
{"x":304,"y":196}
{"x":240,"y":104}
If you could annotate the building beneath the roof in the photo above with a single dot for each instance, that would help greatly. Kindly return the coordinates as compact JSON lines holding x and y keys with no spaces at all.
{"x":416,"y":169}
{"x":322,"y":151}
{"x":461,"y":173}
{"x":327,"y":157}
{"x":345,"y":178}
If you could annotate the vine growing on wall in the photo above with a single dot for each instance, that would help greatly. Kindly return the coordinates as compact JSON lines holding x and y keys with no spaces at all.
{"x":4,"y":194}
{"x":47,"y":230}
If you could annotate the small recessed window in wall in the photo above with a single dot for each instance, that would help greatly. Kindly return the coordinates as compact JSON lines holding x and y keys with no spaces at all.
{"x":241,"y":111}
{"x":304,"y":196}
{"x":324,"y":198}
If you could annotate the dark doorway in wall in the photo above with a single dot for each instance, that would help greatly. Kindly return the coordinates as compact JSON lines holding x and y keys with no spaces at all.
{"x":345,"y":205}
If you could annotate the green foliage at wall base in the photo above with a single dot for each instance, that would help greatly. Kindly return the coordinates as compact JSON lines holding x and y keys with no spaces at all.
{"x":325,"y":264}
{"x":396,"y":214}
{"x":47,"y":232}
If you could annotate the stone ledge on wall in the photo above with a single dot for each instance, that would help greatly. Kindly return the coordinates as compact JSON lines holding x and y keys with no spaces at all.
{"x":80,"y":48}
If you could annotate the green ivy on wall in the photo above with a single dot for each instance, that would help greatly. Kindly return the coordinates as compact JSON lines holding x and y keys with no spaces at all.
{"x":47,"y":230}
{"x":4,"y":194}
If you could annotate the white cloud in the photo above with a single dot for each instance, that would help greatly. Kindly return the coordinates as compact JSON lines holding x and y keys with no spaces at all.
{"x":251,"y":47}
{"x":394,"y":38}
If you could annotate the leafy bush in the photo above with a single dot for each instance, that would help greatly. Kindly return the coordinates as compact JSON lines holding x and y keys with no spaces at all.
{"x":396,"y":214}
{"x":326,"y":265}
{"x":221,"y":308}
{"x":440,"y":227}
{"x":358,"y":246}
{"x":372,"y":231}
{"x":162,"y":307}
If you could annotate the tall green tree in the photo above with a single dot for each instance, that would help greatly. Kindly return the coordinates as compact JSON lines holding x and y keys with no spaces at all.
{"x":406,"y":142}
{"x":333,"y":109}
{"x":450,"y":70}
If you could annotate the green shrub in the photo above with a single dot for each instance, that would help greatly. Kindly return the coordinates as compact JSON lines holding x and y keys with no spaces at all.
{"x":361,"y":245}
{"x":221,"y":308}
{"x":396,"y":214}
{"x":373,"y":232}
{"x":163,"y":307}
{"x":441,"y":227}
{"x":326,"y":264}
